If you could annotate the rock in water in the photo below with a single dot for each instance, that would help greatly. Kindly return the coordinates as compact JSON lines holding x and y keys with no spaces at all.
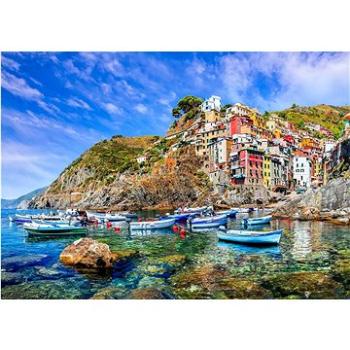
{"x":87,"y":253}
{"x":16,"y":262}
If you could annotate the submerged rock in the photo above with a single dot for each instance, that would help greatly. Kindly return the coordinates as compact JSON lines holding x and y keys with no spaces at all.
{"x":341,"y":268}
{"x":8,"y":278}
{"x":87,"y":253}
{"x":152,"y":282}
{"x":42,"y":290}
{"x":15,"y":262}
{"x":309,"y":285}
{"x":124,"y":255}
{"x":48,"y":272}
{"x":147,"y":293}
{"x":111,"y":292}
{"x":162,"y":267}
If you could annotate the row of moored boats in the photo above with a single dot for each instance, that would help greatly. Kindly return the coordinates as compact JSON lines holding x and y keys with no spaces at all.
{"x":196,"y":219}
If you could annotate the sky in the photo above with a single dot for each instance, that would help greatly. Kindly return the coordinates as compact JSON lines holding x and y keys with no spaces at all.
{"x":54,"y":105}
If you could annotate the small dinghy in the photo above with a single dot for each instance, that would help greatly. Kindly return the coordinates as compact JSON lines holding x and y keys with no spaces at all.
{"x":256,"y":221}
{"x":147,"y":225}
{"x":207,"y":222}
{"x":128,"y":215}
{"x":20,"y":219}
{"x":251,"y":237}
{"x":230,"y":213}
{"x":53,"y":229}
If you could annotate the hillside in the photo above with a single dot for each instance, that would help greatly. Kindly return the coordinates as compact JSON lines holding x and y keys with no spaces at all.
{"x":15,"y":203}
{"x":329,"y":117}
{"x":108,"y":175}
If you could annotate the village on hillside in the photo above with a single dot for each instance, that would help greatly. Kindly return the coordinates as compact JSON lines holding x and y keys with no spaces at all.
{"x":239,"y":146}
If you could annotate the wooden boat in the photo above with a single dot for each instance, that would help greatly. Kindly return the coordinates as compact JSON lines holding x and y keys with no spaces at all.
{"x":230,"y":213}
{"x":209,"y":221}
{"x":53,"y":229}
{"x":146,"y":225}
{"x":256,"y":221}
{"x":251,"y":237}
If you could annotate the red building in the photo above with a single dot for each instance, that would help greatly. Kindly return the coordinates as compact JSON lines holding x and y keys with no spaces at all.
{"x":247,"y":167}
{"x":289,"y":139}
{"x":240,"y":125}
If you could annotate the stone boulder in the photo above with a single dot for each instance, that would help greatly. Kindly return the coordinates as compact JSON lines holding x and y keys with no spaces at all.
{"x":88,"y":253}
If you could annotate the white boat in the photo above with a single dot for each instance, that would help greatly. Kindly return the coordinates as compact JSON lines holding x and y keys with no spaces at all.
{"x":20,"y":219}
{"x":115,"y":217}
{"x":146,"y":225}
{"x":53,"y":229}
{"x":242,"y":210}
{"x":190,"y":210}
{"x":207,"y":222}
{"x":256,"y":221}
{"x":251,"y":237}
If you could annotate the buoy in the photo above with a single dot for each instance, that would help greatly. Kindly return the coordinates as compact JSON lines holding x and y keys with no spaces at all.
{"x":116,"y":229}
{"x":139,"y":219}
{"x":182,"y":233}
{"x":175,"y":229}
{"x":109,"y":225}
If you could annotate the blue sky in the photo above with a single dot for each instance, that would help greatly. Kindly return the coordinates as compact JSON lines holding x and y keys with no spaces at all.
{"x":57,"y":105}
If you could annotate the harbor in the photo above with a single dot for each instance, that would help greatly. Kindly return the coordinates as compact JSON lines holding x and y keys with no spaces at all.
{"x":309,"y":259}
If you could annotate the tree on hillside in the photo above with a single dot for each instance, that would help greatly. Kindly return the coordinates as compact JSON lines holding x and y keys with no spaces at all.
{"x":188,"y":103}
{"x":176,"y":112}
{"x":294,"y":105}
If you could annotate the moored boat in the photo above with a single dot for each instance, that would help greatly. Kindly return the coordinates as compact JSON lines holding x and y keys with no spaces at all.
{"x":230,"y":213}
{"x":207,"y":222}
{"x":53,"y":229}
{"x":256,"y":221}
{"x":157,"y":224}
{"x":114,"y":217}
{"x":251,"y":237}
{"x":191,"y":210}
{"x":20,"y":219}
{"x":179,"y":217}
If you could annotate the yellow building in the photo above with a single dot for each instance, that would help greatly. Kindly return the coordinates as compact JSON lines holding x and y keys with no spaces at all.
{"x":307,"y":141}
{"x":277,"y":133}
{"x":271,"y":124}
{"x":267,"y":171}
{"x":212,"y":116}
{"x":257,"y":120}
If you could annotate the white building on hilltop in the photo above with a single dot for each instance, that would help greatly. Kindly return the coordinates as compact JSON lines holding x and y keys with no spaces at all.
{"x":239,"y":109}
{"x":212,"y":103}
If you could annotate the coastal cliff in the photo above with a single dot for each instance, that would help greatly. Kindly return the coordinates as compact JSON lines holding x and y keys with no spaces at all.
{"x":109,"y":176}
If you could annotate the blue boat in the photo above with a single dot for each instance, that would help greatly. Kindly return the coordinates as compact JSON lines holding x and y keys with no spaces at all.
{"x":251,"y":237}
{"x":20,"y":219}
{"x":256,"y":221}
{"x":207,"y":222}
{"x":231,"y":213}
{"x":179,"y":217}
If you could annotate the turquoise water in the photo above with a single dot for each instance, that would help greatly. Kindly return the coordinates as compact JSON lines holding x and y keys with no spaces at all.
{"x":312,"y":261}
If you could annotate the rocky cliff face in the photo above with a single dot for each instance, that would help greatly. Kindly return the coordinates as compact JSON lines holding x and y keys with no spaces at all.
{"x":330,"y":202}
{"x":108,"y":176}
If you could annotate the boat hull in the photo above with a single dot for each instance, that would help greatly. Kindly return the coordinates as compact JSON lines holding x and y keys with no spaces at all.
{"x":41,"y":229}
{"x":148,"y":225}
{"x":208,"y":222}
{"x":256,"y":221}
{"x":251,"y":237}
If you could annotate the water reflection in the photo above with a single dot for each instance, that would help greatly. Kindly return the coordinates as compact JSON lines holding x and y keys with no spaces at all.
{"x":301,"y":246}
{"x":273,"y":251}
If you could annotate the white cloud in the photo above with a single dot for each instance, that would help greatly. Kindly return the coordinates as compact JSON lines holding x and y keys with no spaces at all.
{"x":141,"y":108}
{"x":9,"y":63}
{"x":112,"y":108}
{"x":76,"y":102}
{"x":19,"y":87}
{"x":302,"y":78}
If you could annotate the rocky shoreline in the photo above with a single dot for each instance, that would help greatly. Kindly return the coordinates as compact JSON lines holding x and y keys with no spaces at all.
{"x":327,"y":203}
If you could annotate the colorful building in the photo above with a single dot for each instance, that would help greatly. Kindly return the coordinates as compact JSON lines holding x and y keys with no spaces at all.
{"x":267,"y":171}
{"x":247,"y":167}
{"x":301,"y":170}
{"x":240,"y":125}
{"x":212,"y":103}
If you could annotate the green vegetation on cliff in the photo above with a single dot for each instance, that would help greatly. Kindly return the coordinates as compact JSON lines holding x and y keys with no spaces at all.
{"x":329,"y":117}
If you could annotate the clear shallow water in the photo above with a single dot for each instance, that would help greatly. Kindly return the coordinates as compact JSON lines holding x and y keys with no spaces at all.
{"x":312,"y":261}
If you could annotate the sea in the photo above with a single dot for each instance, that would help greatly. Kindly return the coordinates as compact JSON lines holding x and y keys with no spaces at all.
{"x":311,"y":261}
